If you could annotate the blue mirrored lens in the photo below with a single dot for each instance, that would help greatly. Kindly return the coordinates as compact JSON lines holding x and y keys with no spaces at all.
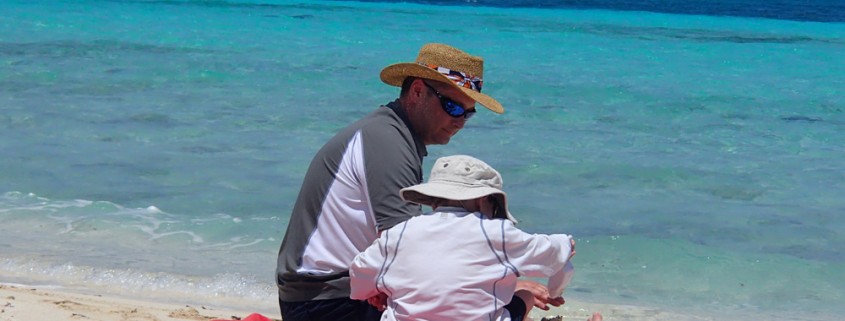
{"x":453,"y":109}
{"x":450,"y":106}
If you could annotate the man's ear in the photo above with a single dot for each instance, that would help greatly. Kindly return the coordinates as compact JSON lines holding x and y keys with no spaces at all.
{"x":418,"y":88}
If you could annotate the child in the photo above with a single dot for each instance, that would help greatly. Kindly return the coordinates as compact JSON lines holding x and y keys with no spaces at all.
{"x":462,"y":260}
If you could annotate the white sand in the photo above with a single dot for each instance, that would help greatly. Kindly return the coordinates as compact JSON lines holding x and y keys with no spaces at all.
{"x":20,"y":303}
{"x":26,"y":303}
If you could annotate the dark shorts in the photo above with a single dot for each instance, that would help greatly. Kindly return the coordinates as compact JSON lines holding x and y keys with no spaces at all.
{"x":516,"y":308}
{"x":343,"y":309}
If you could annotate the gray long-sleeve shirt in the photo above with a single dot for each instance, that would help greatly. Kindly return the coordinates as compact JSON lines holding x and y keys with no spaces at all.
{"x":350,"y":192}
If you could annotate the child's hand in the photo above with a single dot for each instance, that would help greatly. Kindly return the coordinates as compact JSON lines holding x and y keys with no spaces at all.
{"x":379,"y":301}
{"x":540,"y":293}
{"x":558,"y":301}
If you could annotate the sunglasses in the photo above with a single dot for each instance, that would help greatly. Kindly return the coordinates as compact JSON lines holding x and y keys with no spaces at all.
{"x":451,"y":107}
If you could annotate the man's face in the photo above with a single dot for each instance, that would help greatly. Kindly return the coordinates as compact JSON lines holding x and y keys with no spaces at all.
{"x":436,"y":126}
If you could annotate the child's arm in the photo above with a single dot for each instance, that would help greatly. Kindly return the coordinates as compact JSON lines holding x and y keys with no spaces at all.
{"x":559,"y":281}
{"x":364,"y":272}
{"x":533,"y":255}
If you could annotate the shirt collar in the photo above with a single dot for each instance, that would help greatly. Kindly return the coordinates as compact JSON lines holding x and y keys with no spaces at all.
{"x":422,"y":151}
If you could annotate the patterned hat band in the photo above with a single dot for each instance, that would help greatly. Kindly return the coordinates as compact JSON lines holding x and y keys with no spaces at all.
{"x":461,"y":79}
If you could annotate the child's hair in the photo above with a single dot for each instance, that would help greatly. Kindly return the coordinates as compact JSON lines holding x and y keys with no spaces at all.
{"x":498,"y":210}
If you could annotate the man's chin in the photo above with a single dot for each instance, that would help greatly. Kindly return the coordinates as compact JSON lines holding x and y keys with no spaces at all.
{"x":442,"y":141}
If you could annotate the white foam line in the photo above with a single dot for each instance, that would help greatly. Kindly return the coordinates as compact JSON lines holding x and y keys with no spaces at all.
{"x":248,"y":244}
{"x":43,"y":206}
{"x":196,"y":238}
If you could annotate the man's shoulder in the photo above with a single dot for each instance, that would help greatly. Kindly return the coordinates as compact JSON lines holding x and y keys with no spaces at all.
{"x":382,"y":115}
{"x":383,"y":123}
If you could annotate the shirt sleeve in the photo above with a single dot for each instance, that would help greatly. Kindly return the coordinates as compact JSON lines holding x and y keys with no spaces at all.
{"x":364,"y":271}
{"x":535,"y":255}
{"x":558,"y":281}
{"x":391,"y":164}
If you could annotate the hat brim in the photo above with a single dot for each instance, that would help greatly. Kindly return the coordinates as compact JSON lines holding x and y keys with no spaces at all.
{"x":395,"y":74}
{"x":425,"y":192}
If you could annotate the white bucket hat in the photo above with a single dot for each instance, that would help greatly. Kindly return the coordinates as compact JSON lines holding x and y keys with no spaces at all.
{"x":459,"y":178}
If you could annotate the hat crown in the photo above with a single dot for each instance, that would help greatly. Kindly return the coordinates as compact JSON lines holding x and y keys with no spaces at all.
{"x":452,"y":58}
{"x":465,"y":170}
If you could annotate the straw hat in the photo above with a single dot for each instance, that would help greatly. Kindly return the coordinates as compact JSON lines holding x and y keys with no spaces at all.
{"x":445,"y":64}
{"x":459,"y":178}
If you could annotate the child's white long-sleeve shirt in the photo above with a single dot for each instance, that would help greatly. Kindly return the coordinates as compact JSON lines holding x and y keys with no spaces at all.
{"x":455,"y":265}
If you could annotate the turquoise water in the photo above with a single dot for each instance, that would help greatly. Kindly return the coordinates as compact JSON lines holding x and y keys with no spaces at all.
{"x":159,"y":146}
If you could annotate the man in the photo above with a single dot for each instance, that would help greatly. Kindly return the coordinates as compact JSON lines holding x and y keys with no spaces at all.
{"x":351,"y":190}
{"x":462,"y":260}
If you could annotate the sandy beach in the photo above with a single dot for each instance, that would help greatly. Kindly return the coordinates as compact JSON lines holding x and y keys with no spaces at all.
{"x":27,"y":303}
{"x":24,"y":303}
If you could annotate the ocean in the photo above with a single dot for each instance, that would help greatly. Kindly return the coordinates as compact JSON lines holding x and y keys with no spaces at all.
{"x":694,"y":149}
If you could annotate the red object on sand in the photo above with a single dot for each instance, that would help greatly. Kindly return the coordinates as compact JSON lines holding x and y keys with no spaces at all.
{"x":251,"y":317}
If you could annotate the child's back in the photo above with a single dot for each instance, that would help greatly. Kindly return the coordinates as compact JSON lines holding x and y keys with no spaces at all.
{"x":454,"y":265}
